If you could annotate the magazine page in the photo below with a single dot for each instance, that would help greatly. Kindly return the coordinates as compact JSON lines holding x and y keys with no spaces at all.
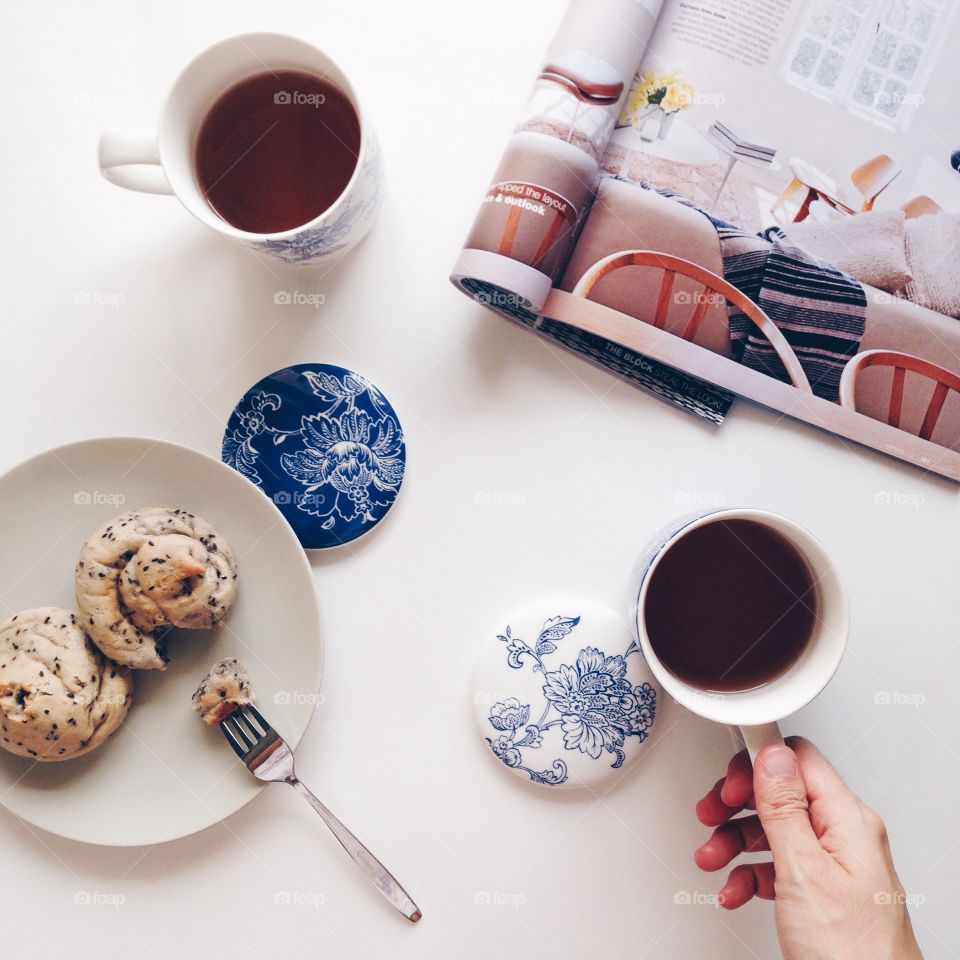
{"x":548,"y":174}
{"x":820,"y":89}
{"x":775,"y":202}
{"x":543,"y":188}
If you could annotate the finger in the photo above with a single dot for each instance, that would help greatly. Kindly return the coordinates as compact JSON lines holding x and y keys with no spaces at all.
{"x":832,"y":803}
{"x":745,"y":882}
{"x":738,"y":787}
{"x":743,"y":835}
{"x":711,"y":810}
{"x":783,"y":809}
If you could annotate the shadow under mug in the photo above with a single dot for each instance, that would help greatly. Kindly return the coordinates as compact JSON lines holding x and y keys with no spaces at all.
{"x":161,"y":160}
{"x":756,"y":712}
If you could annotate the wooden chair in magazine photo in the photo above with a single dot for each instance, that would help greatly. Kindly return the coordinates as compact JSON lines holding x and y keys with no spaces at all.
{"x":869,"y":179}
{"x":902,"y":363}
{"x":922,"y":206}
{"x":668,"y":339}
{"x":712,"y":287}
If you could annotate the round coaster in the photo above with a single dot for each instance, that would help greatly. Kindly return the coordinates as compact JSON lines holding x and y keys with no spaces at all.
{"x":563,"y":695}
{"x":325,"y":445}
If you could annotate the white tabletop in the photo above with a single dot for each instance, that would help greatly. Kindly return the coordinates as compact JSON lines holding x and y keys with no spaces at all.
{"x":529,"y":472}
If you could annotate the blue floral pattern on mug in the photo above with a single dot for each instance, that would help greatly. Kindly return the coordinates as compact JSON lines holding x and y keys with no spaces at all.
{"x":325,"y":444}
{"x":347,"y":227}
{"x":590,"y":700}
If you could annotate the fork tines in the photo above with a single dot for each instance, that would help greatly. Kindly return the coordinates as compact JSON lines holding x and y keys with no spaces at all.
{"x":246,"y":730}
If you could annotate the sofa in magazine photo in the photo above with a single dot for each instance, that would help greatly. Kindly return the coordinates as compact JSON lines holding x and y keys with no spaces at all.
{"x":626,"y":217}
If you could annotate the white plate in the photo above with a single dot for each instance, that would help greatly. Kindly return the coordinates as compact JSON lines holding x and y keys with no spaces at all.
{"x":162,"y":775}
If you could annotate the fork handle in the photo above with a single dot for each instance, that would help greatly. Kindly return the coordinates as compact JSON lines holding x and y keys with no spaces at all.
{"x":378,"y":874}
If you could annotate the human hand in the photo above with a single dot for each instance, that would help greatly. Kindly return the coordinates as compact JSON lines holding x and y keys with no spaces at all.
{"x":837,"y":892}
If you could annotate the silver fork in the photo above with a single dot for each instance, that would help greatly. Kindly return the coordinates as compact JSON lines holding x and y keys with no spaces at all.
{"x":268,"y":757}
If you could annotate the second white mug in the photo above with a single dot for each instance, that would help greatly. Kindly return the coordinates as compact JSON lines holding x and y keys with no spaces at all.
{"x":756,"y":712}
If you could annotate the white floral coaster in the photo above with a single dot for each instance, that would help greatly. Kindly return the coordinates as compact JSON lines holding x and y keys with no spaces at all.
{"x":563,"y":695}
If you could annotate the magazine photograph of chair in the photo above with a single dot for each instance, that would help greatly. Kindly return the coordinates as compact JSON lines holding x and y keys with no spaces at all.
{"x":921,"y":206}
{"x":917,"y":411}
{"x":713,"y":289}
{"x":757,"y":304}
{"x":870,"y":180}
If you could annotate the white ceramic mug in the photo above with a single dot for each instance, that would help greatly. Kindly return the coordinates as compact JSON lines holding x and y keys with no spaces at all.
{"x":756,"y":711}
{"x":161,"y":160}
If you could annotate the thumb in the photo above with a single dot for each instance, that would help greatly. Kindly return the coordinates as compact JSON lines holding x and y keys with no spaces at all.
{"x":781,"y":797}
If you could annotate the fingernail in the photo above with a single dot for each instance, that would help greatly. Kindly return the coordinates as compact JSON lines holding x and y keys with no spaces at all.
{"x":778,"y":762}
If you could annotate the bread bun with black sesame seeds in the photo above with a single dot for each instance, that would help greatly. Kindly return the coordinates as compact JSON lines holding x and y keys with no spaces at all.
{"x":59,"y":696}
{"x":150,"y":569}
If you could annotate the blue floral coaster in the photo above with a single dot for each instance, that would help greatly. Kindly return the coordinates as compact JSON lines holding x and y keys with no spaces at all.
{"x":325,"y":445}
{"x":563,"y":695}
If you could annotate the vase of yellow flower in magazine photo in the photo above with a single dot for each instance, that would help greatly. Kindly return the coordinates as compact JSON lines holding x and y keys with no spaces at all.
{"x":655,"y":101}
{"x":666,"y":123}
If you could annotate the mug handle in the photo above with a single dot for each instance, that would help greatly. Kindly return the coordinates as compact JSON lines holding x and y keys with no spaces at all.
{"x":131,"y":159}
{"x":762,"y":735}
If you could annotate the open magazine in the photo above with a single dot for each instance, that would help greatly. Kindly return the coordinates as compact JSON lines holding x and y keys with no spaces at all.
{"x":755,"y":198}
